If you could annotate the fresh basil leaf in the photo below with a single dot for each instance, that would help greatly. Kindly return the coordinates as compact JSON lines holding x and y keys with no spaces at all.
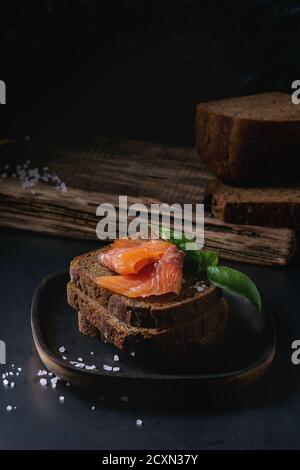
{"x":235,"y":281}
{"x":208,"y":258}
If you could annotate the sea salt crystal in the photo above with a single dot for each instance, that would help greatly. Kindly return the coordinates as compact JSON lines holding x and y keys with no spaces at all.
{"x":5,"y":382}
{"x":116,"y":369}
{"x":92,"y":353}
{"x":68,"y":384}
{"x":3,"y":376}
{"x":19,"y":369}
{"x":9,"y":408}
{"x":132,"y":354}
{"x":139,"y":423}
{"x":116,"y":358}
{"x":43,"y":382}
{"x":12,"y":384}
{"x":106,"y":367}
{"x":61,"y":399}
{"x":64,"y":358}
{"x":79,"y":359}
{"x":80,"y":365}
{"x":62,"y":349}
{"x":93,"y":408}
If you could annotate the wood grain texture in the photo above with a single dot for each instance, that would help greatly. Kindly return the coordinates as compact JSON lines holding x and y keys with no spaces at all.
{"x":117,"y":166}
{"x":73,"y":214}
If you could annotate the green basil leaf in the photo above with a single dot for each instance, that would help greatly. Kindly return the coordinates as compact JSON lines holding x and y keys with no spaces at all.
{"x":235,"y":281}
{"x":208,"y":258}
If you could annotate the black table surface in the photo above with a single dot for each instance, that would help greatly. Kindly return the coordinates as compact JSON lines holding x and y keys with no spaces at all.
{"x":263,"y":416}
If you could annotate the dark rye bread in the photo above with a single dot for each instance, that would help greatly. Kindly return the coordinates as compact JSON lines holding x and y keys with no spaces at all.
{"x":151,"y":312}
{"x":271,"y":207}
{"x":204,"y":331}
{"x":250,"y":140}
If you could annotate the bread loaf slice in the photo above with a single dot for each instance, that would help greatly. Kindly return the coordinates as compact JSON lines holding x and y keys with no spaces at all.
{"x":272,"y":207}
{"x":151,"y":312}
{"x":203,"y":331}
{"x":250,"y":140}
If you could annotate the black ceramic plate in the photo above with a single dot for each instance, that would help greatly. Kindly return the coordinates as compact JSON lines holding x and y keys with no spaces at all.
{"x":245,"y":354}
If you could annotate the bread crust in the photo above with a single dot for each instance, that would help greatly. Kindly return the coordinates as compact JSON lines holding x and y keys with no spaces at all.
{"x":272,"y":207}
{"x":243,"y":151}
{"x":203,"y":331}
{"x":153,"y":312}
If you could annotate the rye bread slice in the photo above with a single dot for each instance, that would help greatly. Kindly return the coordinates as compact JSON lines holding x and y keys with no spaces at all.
{"x":204,"y":331}
{"x":250,"y":140}
{"x":151,"y":312}
{"x":271,"y":207}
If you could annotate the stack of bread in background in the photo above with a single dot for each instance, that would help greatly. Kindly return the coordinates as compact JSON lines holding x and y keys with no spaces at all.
{"x":252,"y":146}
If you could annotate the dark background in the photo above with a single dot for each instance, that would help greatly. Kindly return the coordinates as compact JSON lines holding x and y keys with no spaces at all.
{"x":137,"y":68}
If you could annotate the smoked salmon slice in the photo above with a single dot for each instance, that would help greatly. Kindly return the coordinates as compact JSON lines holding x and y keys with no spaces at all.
{"x":130,"y":256}
{"x":161,"y":277}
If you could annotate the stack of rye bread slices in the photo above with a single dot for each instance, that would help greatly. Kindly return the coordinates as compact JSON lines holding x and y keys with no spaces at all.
{"x":166,"y":325}
{"x":252,"y":146}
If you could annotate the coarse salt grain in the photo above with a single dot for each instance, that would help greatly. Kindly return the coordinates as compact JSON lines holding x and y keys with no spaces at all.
{"x":61,"y":398}
{"x":62,"y":349}
{"x":139,"y":423}
{"x":106,"y":367}
{"x":92,"y":353}
{"x":5,"y":382}
{"x":116,"y":358}
{"x":116,"y":369}
{"x":80,"y":365}
{"x":43,"y":382}
{"x":64,"y":358}
{"x":12,"y":384}
{"x":9,"y":408}
{"x":79,"y":359}
{"x":19,"y":369}
{"x":93,"y":408}
{"x":132,"y":353}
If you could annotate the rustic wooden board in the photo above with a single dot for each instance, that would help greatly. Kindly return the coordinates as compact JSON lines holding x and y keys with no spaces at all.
{"x":73,"y":214}
{"x":116,"y":166}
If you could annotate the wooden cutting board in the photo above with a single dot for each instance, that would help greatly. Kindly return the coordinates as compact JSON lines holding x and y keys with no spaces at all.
{"x":106,"y":168}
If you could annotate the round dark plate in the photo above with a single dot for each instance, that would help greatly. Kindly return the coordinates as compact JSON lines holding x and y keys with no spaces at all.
{"x":245,"y":354}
